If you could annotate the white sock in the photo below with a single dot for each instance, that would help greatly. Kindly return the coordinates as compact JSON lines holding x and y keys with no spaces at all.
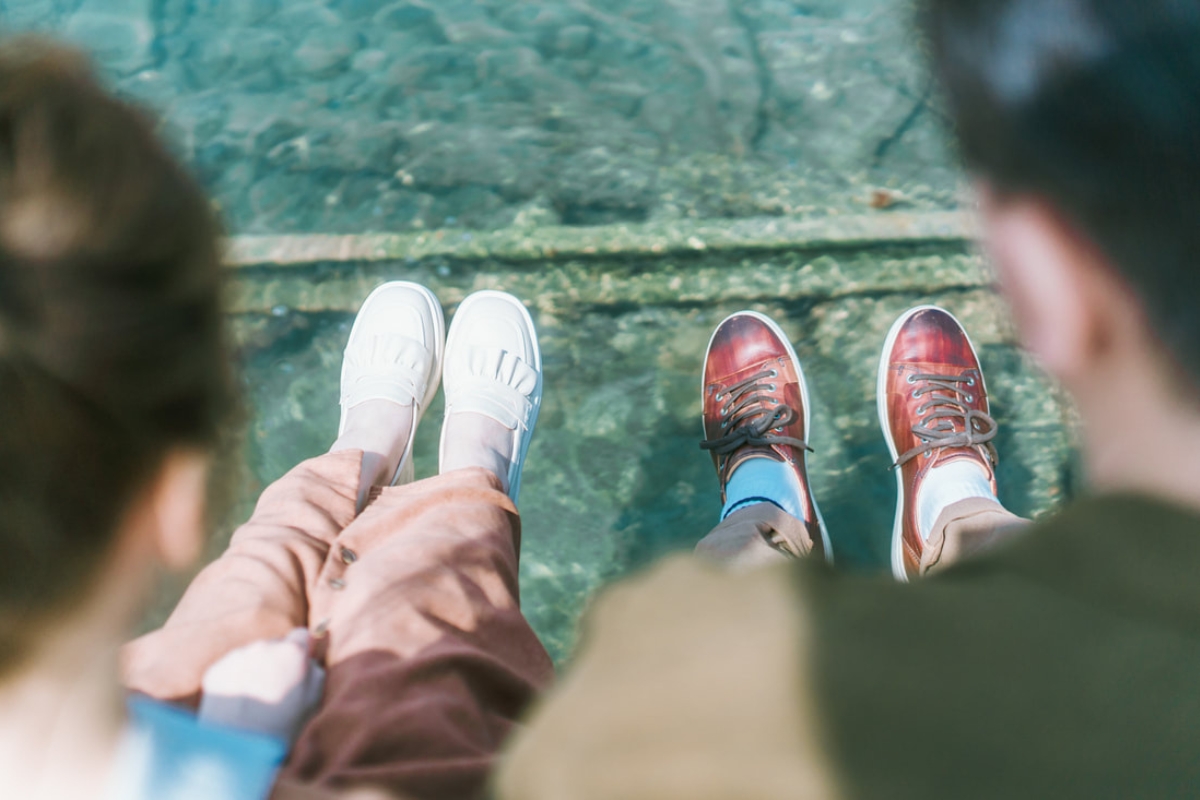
{"x":946,"y":485}
{"x":763,"y":480}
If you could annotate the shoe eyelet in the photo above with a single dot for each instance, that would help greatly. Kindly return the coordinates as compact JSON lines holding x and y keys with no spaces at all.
{"x":970,"y":398}
{"x":772,"y":388}
{"x":970,"y":381}
{"x":717,"y":398}
{"x":912,"y":380}
{"x":774,"y":401}
{"x":774,"y":373}
{"x":722,"y":413}
{"x":916,"y":393}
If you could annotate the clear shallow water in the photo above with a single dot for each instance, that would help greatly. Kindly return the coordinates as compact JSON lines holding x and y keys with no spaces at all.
{"x":354,"y":115}
{"x":615,"y":477}
{"x":458,"y":116}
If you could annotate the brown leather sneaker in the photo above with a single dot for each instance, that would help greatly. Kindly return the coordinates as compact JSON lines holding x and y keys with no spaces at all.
{"x":756,"y":406}
{"x":933,"y":407}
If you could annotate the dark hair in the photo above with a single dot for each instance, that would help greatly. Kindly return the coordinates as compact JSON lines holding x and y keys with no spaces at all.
{"x":111,"y":351}
{"x":1093,"y":105}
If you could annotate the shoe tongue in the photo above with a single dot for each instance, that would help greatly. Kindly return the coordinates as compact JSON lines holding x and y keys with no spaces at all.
{"x":744,"y":454}
{"x":951,"y":455}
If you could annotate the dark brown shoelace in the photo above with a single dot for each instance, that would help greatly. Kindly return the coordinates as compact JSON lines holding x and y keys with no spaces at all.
{"x":749,"y":421}
{"x":950,"y":396}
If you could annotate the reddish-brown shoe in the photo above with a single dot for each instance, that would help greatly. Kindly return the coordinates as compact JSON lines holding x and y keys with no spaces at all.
{"x":756,"y":406}
{"x":933,"y":407}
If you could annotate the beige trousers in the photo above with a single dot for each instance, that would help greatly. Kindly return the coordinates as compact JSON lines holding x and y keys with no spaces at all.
{"x":430,"y":661}
{"x":763,"y":533}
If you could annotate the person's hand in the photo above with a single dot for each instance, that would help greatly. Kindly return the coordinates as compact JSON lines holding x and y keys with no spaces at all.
{"x":269,"y":687}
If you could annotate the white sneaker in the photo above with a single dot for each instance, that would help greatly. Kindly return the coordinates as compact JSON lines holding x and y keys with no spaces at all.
{"x":395,"y":354}
{"x":494,"y":368}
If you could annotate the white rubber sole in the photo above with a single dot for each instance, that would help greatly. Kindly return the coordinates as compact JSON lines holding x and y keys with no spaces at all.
{"x":770,"y":323}
{"x":517,"y":464}
{"x":898,"y":570}
{"x":404,"y":472}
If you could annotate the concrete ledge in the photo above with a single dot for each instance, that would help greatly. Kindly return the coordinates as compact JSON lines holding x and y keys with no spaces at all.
{"x":565,"y":287}
{"x":651,"y":239}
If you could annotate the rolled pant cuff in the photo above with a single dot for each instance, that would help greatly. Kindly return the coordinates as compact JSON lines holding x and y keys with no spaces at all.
{"x":756,"y":536}
{"x":967,"y":528}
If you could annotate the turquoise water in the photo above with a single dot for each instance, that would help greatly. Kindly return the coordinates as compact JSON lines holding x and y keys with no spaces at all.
{"x":457,"y":118}
{"x":615,"y":478}
{"x":393,"y":115}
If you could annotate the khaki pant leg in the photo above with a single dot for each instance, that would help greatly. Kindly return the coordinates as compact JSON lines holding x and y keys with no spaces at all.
{"x":430,"y":660}
{"x":756,"y":536}
{"x":968,"y":528}
{"x":764,"y":534}
{"x":258,"y":589}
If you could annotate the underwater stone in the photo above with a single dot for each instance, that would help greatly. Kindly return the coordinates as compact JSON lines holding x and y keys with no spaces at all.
{"x":28,"y":14}
{"x":130,"y":9}
{"x":357,"y":9}
{"x":370,"y":61}
{"x":122,"y":44}
{"x":407,"y":16}
{"x":574,"y":40}
{"x":325,"y":52}
{"x":237,"y":12}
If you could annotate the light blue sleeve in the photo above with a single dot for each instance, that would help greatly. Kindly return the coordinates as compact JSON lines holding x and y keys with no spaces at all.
{"x":173,"y":756}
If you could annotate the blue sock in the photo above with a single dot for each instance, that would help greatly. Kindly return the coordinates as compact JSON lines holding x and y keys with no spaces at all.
{"x":763,"y":480}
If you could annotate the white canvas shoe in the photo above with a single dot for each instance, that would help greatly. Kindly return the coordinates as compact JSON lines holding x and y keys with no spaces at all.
{"x":494,"y":368}
{"x":395,"y":353}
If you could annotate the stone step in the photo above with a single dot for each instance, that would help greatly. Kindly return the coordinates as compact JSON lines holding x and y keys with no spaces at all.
{"x":523,"y":245}
{"x":562,"y":268}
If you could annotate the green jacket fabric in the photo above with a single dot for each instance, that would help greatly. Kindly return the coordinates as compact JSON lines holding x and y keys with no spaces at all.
{"x":1066,"y":664}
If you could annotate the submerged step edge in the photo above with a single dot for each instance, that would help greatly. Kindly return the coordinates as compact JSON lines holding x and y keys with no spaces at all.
{"x":647,"y":239}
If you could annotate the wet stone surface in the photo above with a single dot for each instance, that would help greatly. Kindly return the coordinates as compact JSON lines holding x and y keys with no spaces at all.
{"x":615,"y":477}
{"x":391,"y":115}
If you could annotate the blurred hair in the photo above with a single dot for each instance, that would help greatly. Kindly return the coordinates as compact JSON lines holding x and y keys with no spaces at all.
{"x":111,"y":351}
{"x":1093,"y":105}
